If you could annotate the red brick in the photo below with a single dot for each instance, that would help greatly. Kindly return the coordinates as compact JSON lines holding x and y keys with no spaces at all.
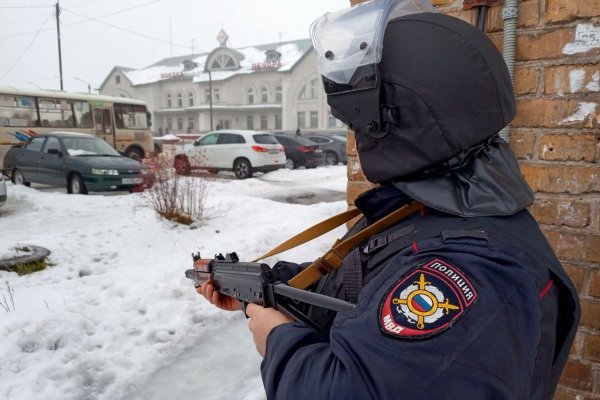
{"x":577,"y":275}
{"x":546,"y":45}
{"x":553,"y":211}
{"x":569,"y":147}
{"x":590,"y":314}
{"x":441,"y":2}
{"x":564,"y":393}
{"x":522,"y":143}
{"x":562,"y":178}
{"x":556,"y":113}
{"x":575,"y":247}
{"x":577,"y":347}
{"x":568,"y":10}
{"x":529,"y":13}
{"x":526,"y":81}
{"x":466,"y":15}
{"x":355,"y":189}
{"x":595,"y":283}
{"x":529,"y":16}
{"x":592,"y":347}
{"x":354,"y":171}
{"x":351,"y":146}
{"x":567,"y":79}
{"x":577,"y":375}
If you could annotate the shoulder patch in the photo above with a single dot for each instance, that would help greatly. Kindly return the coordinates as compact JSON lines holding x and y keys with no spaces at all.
{"x":426,"y":302}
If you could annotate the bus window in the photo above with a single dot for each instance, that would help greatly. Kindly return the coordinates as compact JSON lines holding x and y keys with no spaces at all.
{"x":17,"y":111}
{"x":83,"y":114}
{"x":130,"y":116}
{"x":56,"y":113}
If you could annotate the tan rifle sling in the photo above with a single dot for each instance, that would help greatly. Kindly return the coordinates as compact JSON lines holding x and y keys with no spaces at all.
{"x":341,"y":248}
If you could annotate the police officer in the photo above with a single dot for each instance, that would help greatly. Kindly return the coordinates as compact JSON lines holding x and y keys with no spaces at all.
{"x":463,"y":299}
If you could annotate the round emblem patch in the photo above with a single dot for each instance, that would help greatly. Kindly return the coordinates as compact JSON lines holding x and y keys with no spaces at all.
{"x":426,"y":301}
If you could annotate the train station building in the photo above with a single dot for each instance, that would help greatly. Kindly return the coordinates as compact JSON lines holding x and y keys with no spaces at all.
{"x":269,"y":87}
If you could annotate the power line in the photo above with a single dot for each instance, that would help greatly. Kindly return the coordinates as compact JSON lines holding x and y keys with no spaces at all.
{"x":85,"y":4}
{"x":27,"y":48}
{"x":126,"y":30}
{"x":6,"y":7}
{"x":95,"y":20}
{"x":24,"y":20}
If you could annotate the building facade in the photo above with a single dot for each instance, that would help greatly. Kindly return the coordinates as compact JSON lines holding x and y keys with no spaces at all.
{"x":265,"y":87}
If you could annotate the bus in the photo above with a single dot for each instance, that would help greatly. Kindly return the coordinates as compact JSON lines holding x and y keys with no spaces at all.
{"x":123,"y":123}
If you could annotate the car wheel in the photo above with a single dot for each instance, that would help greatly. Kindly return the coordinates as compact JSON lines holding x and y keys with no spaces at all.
{"x":242,"y":169}
{"x":19,"y":179}
{"x":331,"y":158}
{"x":182,"y":166}
{"x":289,"y":163}
{"x":76,"y":185}
{"x":135,"y":154}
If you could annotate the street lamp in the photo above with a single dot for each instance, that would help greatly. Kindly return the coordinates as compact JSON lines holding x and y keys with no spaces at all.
{"x":86,"y":82}
{"x":210,"y":98}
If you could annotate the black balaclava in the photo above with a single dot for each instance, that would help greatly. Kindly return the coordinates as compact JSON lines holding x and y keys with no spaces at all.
{"x":445,"y":93}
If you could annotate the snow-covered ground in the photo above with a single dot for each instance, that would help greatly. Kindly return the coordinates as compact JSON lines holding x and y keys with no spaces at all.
{"x":113,"y":317}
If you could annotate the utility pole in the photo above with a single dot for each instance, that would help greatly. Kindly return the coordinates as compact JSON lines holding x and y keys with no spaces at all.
{"x":210,"y":98}
{"x":59,"y":51}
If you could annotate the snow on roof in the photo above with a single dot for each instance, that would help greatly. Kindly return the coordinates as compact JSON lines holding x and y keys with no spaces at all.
{"x":291,"y":53}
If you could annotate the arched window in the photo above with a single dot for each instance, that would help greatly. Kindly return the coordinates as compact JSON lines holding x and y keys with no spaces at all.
{"x":191,"y":99}
{"x":264,"y":94}
{"x":179,"y":100}
{"x":278,"y":94}
{"x":250,"y":95}
{"x":169,"y":101}
{"x":223,"y":61}
{"x":309,"y":91}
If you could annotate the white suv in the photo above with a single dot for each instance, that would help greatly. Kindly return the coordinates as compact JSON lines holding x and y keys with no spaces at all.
{"x":2,"y":190}
{"x":240,"y":151}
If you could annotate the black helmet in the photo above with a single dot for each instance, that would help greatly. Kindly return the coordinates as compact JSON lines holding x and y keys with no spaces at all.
{"x":427,"y":114}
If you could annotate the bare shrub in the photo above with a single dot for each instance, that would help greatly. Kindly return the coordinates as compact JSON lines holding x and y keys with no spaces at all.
{"x":4,"y":303}
{"x":175,"y":197}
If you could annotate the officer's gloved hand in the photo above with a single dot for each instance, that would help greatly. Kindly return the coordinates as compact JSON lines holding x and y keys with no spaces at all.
{"x":287,"y":270}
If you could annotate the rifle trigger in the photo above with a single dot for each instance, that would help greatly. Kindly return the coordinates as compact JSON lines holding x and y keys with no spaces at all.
{"x":244,"y":306}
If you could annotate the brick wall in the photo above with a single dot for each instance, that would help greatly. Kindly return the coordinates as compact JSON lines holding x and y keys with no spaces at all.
{"x":556,"y":136}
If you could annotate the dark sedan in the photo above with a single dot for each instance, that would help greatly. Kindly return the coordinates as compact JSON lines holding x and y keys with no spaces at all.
{"x":77,"y":161}
{"x":334,"y":147}
{"x":300,"y":152}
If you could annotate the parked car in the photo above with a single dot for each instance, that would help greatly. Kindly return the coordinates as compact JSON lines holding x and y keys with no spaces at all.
{"x":334,"y":147}
{"x":78,"y":161}
{"x":242,"y":151}
{"x":301,"y":152}
{"x":2,"y":190}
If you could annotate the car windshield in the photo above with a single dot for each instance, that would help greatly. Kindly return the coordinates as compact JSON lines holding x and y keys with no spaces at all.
{"x":340,"y":138}
{"x":264,"y":138}
{"x":80,"y":146}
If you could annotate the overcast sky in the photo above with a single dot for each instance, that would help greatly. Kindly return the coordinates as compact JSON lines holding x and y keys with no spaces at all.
{"x":97,"y":35}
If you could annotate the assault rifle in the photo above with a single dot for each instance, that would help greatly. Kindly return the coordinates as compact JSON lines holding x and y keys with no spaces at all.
{"x":252,"y":282}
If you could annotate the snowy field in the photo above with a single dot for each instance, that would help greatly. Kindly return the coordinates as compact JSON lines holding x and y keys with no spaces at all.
{"x":113,"y":317}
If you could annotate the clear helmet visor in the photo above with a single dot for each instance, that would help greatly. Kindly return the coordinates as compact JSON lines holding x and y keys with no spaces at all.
{"x":350,"y":38}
